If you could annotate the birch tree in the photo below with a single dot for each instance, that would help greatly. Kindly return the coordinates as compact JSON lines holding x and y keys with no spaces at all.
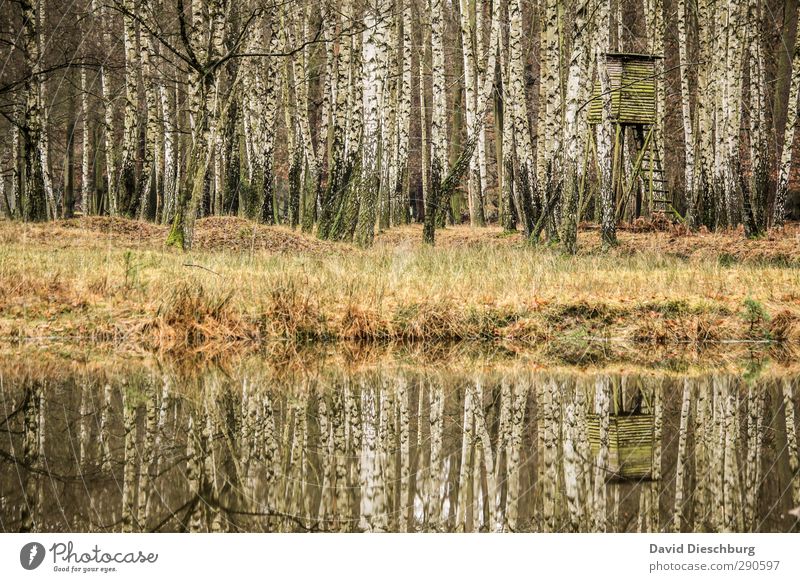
{"x":438,"y":143}
{"x":604,"y":153}
{"x":791,"y":131}
{"x":374,"y":74}
{"x":127,"y":186}
{"x":577,"y":71}
{"x":680,"y":475}
{"x":34,"y":205}
{"x":686,"y":115}
{"x":467,"y":21}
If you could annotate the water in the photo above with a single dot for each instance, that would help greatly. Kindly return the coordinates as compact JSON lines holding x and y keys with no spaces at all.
{"x":395,"y":448}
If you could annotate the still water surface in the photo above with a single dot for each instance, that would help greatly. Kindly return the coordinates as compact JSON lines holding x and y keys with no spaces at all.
{"x":397,"y":449}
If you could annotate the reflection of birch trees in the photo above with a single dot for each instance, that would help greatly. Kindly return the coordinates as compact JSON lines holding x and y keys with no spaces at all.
{"x":397,"y":451}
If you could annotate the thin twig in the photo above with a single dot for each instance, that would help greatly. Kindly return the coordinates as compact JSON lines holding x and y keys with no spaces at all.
{"x":201,"y":267}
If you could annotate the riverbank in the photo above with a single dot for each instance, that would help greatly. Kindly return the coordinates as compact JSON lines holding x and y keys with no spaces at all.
{"x":246,"y":285}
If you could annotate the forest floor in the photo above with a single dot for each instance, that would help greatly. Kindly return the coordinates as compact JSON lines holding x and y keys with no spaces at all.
{"x":245,"y":285}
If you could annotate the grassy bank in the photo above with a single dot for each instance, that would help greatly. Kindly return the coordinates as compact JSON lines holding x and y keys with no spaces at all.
{"x":245,"y":285}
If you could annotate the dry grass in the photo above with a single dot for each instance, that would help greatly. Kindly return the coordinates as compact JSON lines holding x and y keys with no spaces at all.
{"x":103,"y":279}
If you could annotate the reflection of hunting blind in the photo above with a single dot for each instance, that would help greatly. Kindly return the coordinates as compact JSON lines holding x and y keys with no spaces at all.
{"x":630,"y":441}
{"x":633,"y":82}
{"x":630,"y":444}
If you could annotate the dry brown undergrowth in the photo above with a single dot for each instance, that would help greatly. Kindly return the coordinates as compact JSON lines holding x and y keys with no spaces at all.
{"x":246,"y":284}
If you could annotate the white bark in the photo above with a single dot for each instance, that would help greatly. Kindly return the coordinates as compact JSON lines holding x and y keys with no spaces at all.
{"x":108,"y":117}
{"x":464,"y":483}
{"x":572,"y":127}
{"x":604,"y":130}
{"x":149,"y":166}
{"x":603,"y":403}
{"x":688,"y":137}
{"x":473,"y":176}
{"x":86,"y":176}
{"x":571,"y":467}
{"x":513,"y":463}
{"x":791,"y":441}
{"x":130,"y":136}
{"x":374,"y":77}
{"x":790,"y":135}
{"x":681,"y":462}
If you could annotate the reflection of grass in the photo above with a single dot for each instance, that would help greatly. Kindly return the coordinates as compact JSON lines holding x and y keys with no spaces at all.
{"x":486,"y":289}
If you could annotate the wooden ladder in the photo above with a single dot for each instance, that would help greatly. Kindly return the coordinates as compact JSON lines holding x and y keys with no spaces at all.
{"x":655,"y":181}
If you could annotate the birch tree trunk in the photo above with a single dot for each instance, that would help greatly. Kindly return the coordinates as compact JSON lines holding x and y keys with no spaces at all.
{"x":572,"y":138}
{"x":34,"y":207}
{"x":112,"y":201}
{"x":604,"y":130}
{"x":425,"y":153}
{"x":705,"y":113}
{"x":654,"y":16}
{"x":790,"y":134}
{"x":488,"y":455}
{"x":31,"y":451}
{"x":433,"y":510}
{"x":463,"y":521}
{"x":406,"y":502}
{"x":44,"y":134}
{"x":16,"y":179}
{"x":508,"y":210}
{"x":756,"y":197}
{"x":680,"y":469}
{"x":374,"y":73}
{"x":148,"y":178}
{"x":170,"y":180}
{"x":438,"y":122}
{"x":550,"y":403}
{"x":86,"y":176}
{"x":519,"y":405}
{"x":128,"y":463}
{"x":552,"y":106}
{"x":334,"y":197}
{"x":525,"y":168}
{"x":401,"y":186}
{"x":371,"y":493}
{"x":791,"y":441}
{"x":688,"y":136}
{"x":267,"y":94}
{"x":602,"y":403}
{"x":127,"y":186}
{"x":148,"y":450}
{"x":483,"y":76}
{"x":466,"y":8}
{"x":204,"y":43}
{"x":730,"y":489}
{"x":571,"y":487}
{"x":755,"y":433}
{"x":731,"y":108}
{"x":702,"y":434}
{"x":105,"y":445}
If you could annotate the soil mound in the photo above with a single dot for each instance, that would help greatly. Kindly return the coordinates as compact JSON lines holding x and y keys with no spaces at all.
{"x":231,"y":233}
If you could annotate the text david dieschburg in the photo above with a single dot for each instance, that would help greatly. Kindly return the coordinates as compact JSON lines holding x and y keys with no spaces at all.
{"x":729,"y":549}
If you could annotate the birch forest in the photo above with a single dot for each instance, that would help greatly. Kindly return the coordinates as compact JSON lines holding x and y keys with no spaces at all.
{"x":348,"y":118}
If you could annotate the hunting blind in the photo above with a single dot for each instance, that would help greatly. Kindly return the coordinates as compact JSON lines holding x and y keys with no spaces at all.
{"x":633,"y":87}
{"x":631,"y":436}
